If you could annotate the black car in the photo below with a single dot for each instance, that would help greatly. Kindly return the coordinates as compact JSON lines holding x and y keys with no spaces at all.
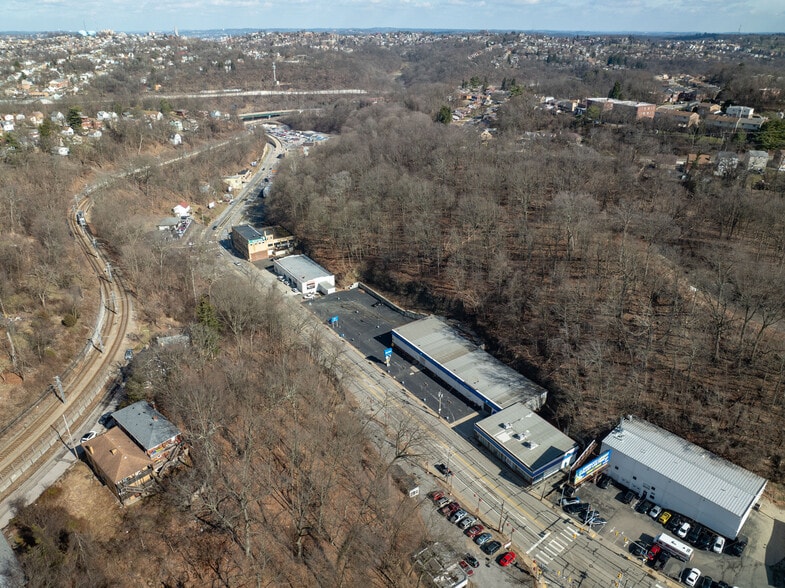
{"x":443,"y":469}
{"x":737,"y":547}
{"x":628,"y":497}
{"x":705,"y":540}
{"x":577,"y":508}
{"x":643,"y":506}
{"x":694,"y":534}
{"x":722,"y":584}
{"x":705,"y":582}
{"x":674,"y":523}
{"x":471,"y":560}
{"x":638,"y":550}
{"x":662,"y":559}
{"x":491,"y":547}
{"x":604,"y":481}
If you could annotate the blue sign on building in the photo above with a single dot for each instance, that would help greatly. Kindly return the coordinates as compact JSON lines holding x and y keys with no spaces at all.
{"x":388,"y":352}
{"x":592,"y":467}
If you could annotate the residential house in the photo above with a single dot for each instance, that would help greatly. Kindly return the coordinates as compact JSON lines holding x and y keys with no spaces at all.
{"x":159,"y":438}
{"x":121,"y":464}
{"x":757,"y":161}
{"x":677,"y":118}
{"x":725,"y":163}
{"x":628,"y":109}
{"x":739,"y":111}
{"x":182,"y":209}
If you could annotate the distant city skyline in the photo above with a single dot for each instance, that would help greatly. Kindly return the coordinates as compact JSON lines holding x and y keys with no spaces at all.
{"x":643,"y":16}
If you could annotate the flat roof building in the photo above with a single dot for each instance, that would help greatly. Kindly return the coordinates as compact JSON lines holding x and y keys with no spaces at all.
{"x":265,"y":243}
{"x":304,"y":274}
{"x":527,"y":443}
{"x":682,"y":476}
{"x":460,"y":364}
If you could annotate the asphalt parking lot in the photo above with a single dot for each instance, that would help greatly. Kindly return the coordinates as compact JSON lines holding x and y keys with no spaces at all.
{"x":366,"y":323}
{"x":625,"y":526}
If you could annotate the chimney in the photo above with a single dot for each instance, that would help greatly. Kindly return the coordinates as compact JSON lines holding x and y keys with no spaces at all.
{"x":113,"y":451}
{"x":89,"y":449}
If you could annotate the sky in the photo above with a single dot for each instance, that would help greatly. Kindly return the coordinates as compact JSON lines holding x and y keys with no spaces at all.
{"x":650,"y":16}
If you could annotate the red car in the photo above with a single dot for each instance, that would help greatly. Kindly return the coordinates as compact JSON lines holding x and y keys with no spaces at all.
{"x":507,"y":559}
{"x":466,"y":568}
{"x":437,"y":495}
{"x":449,"y":509}
{"x":474,"y":530}
{"x":653,"y":552}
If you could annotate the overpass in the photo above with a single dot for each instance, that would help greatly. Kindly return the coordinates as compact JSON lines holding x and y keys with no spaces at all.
{"x":266,"y":114}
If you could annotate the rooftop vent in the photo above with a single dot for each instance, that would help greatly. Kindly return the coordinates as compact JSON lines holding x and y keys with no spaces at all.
{"x":506,"y":426}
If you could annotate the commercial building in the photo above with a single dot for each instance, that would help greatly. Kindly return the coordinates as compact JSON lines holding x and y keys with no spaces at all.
{"x":681,"y":476}
{"x":528,"y":444}
{"x":304,"y":274}
{"x":471,"y":372}
{"x":258,"y":244}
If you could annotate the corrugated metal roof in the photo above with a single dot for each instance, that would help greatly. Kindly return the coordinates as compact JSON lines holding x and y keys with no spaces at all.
{"x":708,"y":475}
{"x":462,"y":358}
{"x":302,"y":267}
{"x":145,"y":425}
{"x":526,"y":436}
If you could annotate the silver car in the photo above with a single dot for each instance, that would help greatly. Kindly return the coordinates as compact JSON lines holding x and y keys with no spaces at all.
{"x":458,"y":515}
{"x":466,"y":522}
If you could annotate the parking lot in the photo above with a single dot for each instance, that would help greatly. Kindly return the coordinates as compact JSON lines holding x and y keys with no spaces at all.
{"x":625,"y":526}
{"x":366,"y":323}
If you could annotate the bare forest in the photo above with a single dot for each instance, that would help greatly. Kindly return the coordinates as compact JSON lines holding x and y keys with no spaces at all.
{"x":574,"y":248}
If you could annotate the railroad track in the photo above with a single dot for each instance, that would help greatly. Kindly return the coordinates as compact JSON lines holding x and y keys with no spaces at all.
{"x":43,"y":427}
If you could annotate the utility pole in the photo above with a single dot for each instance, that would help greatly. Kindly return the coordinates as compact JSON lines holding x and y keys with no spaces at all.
{"x":70,"y":435}
{"x":108,"y":271}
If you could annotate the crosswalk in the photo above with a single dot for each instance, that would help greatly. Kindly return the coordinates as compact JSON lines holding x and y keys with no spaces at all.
{"x":552,"y":545}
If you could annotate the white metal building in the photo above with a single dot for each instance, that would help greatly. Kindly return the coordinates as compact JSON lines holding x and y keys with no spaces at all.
{"x":471,"y":372}
{"x":681,"y":476}
{"x":305,"y":274}
{"x":528,"y":444}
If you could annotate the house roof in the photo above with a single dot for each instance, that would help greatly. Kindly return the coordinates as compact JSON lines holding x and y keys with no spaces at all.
{"x":704,"y":473}
{"x":145,"y":425}
{"x":116,"y":455}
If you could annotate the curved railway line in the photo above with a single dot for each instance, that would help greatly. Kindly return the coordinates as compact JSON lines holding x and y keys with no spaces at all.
{"x":42,"y":427}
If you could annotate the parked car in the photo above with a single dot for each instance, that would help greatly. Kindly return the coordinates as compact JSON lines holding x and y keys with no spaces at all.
{"x":491,"y":547}
{"x":706,"y":582}
{"x":675,"y":522}
{"x":483,"y":538}
{"x":443,"y":501}
{"x":507,"y":559}
{"x":129,"y":354}
{"x":466,"y":522}
{"x":683,"y":530}
{"x":577,"y":508}
{"x":471,"y":560}
{"x":474,"y":530}
{"x":449,"y":509}
{"x":105,"y":420}
{"x":638,"y":550}
{"x":87,"y":436}
{"x":737,"y":547}
{"x":655,"y":511}
{"x":570,"y":501}
{"x":706,"y":540}
{"x":644,"y":506}
{"x":436,"y":495}
{"x":662,"y":559}
{"x":691,"y":577}
{"x":466,"y":568}
{"x":719,"y":544}
{"x":694,"y":534}
{"x":628,"y":497}
{"x":604,"y":481}
{"x":665,"y":517}
{"x":653,"y":552}
{"x":458,"y":515}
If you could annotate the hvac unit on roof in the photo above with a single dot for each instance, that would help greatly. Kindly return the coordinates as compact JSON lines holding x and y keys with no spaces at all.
{"x":506,"y":426}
